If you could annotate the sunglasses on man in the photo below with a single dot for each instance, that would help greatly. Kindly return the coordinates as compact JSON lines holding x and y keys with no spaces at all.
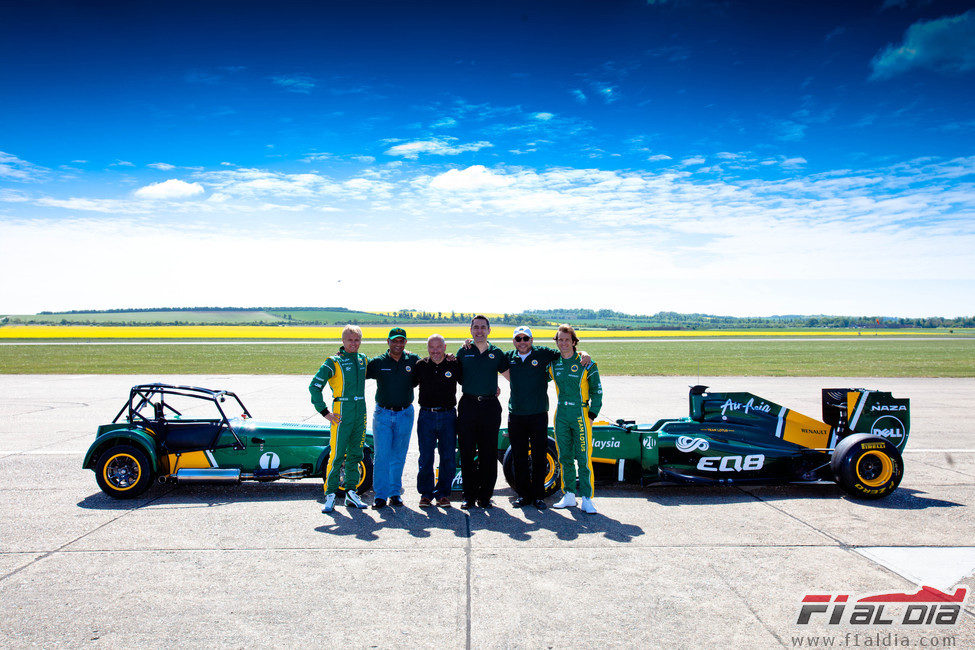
{"x":521,"y":339}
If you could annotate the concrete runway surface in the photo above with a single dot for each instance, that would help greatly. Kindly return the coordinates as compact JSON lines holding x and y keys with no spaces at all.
{"x":661,"y":566}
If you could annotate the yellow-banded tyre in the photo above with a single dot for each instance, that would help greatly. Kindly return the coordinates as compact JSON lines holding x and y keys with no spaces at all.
{"x":553,"y":471}
{"x":124,"y":472}
{"x":866,"y":466}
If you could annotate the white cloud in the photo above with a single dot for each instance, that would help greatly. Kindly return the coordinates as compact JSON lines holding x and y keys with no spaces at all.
{"x":578,"y":95}
{"x":476,"y":177}
{"x":13,"y":168}
{"x":646,"y":233}
{"x":171,"y":189}
{"x":161,"y":166}
{"x":444,"y":123}
{"x":693,"y":160}
{"x":945,"y":44}
{"x":658,"y":157}
{"x":297,"y":83}
{"x":543,"y":117}
{"x":436,"y":146}
{"x":122,"y":163}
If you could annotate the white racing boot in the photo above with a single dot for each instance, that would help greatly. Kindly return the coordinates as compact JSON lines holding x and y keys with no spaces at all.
{"x":352,"y":500}
{"x":587,"y":506}
{"x":568,"y":501}
{"x":329,"y":502}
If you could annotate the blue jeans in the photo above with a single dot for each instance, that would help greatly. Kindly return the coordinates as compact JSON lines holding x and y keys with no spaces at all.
{"x":435,"y":431}
{"x":391,"y":431}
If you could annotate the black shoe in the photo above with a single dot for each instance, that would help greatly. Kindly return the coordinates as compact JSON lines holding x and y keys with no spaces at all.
{"x":520,"y":502}
{"x":541,"y":505}
{"x":468,"y":505}
{"x":379,"y":504}
{"x":485,"y":503}
{"x":395,"y":501}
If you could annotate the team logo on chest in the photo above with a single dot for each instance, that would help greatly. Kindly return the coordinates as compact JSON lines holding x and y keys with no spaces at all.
{"x":534,"y":362}
{"x":448,"y":374}
{"x":574,"y":368}
{"x":409,"y":369}
{"x":491,"y":356}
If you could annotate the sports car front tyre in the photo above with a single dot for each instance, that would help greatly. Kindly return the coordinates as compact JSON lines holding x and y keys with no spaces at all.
{"x":866,"y":466}
{"x":124,"y":472}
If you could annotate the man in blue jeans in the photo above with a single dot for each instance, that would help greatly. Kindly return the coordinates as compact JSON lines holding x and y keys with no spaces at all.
{"x":437,"y":377}
{"x":392,"y":421}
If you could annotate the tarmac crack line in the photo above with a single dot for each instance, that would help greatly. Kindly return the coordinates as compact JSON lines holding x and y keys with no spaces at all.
{"x":741,"y":597}
{"x":80,"y":537}
{"x":793,"y":517}
{"x":467,"y":524}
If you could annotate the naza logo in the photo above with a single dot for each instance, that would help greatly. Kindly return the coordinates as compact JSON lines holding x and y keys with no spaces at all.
{"x":888,"y":407}
{"x":928,"y":606}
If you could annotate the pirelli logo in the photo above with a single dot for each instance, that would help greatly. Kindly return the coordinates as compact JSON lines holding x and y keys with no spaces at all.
{"x":872,"y":445}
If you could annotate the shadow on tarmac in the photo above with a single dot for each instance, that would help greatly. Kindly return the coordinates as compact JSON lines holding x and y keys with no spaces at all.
{"x":567,"y":524}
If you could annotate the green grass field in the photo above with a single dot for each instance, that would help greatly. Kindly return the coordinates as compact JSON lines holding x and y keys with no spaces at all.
{"x":867,"y":358}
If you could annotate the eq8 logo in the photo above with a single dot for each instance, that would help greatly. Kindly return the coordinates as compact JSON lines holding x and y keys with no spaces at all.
{"x":926,"y":607}
{"x":731,"y":463}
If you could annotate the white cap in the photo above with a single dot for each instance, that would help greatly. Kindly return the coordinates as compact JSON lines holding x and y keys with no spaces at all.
{"x":524,"y":329}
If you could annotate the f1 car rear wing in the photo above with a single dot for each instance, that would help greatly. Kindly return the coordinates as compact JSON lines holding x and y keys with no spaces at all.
{"x":858,"y":410}
{"x":845,"y":411}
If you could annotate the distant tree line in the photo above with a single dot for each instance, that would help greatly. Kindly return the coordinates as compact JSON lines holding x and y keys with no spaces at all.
{"x":595,"y":318}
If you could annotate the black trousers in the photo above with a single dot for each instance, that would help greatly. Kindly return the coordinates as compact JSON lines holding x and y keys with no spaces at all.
{"x":478,"y":423}
{"x":529,"y":433}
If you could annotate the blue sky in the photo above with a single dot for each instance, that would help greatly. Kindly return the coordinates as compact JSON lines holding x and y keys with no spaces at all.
{"x":736,"y":158}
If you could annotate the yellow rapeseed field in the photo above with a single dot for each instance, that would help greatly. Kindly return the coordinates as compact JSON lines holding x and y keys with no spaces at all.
{"x":370,"y":332}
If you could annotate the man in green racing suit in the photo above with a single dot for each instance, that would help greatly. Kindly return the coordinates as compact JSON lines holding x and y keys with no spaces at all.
{"x":580,"y":396}
{"x":345,"y":374}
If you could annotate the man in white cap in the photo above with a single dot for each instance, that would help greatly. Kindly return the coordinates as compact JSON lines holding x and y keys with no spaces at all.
{"x":528,"y":415}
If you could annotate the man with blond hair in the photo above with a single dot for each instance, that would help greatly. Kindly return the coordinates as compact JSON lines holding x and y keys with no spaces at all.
{"x":345,"y":373}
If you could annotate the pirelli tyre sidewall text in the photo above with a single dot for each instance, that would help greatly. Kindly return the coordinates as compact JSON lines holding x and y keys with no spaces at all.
{"x":866,"y":466}
{"x":124,"y":472}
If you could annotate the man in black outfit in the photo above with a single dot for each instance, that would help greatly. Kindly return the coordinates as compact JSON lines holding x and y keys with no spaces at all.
{"x":437,"y":377}
{"x":479,"y":414}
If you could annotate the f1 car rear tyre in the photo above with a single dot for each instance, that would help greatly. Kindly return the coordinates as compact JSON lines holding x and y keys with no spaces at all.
{"x":365,"y":473}
{"x":866,"y":466}
{"x":124,"y":472}
{"x":553,"y":471}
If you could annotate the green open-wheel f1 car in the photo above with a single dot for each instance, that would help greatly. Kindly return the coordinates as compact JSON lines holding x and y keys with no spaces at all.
{"x":742,"y":438}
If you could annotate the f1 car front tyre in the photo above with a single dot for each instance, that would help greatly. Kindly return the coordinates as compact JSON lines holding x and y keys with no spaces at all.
{"x":124,"y":472}
{"x":553,"y":471}
{"x":866,"y":466}
{"x":365,"y":473}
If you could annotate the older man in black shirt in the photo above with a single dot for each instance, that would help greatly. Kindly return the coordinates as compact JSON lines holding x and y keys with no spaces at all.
{"x":437,"y":377}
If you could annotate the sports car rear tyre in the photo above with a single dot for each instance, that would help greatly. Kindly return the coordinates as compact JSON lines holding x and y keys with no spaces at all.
{"x":365,"y":473}
{"x":553,"y":471}
{"x":867,"y":467}
{"x":124,"y":472}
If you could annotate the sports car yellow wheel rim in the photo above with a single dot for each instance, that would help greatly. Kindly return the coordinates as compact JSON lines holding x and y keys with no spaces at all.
{"x":362,"y":474}
{"x":553,"y":466}
{"x":122,"y":471}
{"x":874,"y":468}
